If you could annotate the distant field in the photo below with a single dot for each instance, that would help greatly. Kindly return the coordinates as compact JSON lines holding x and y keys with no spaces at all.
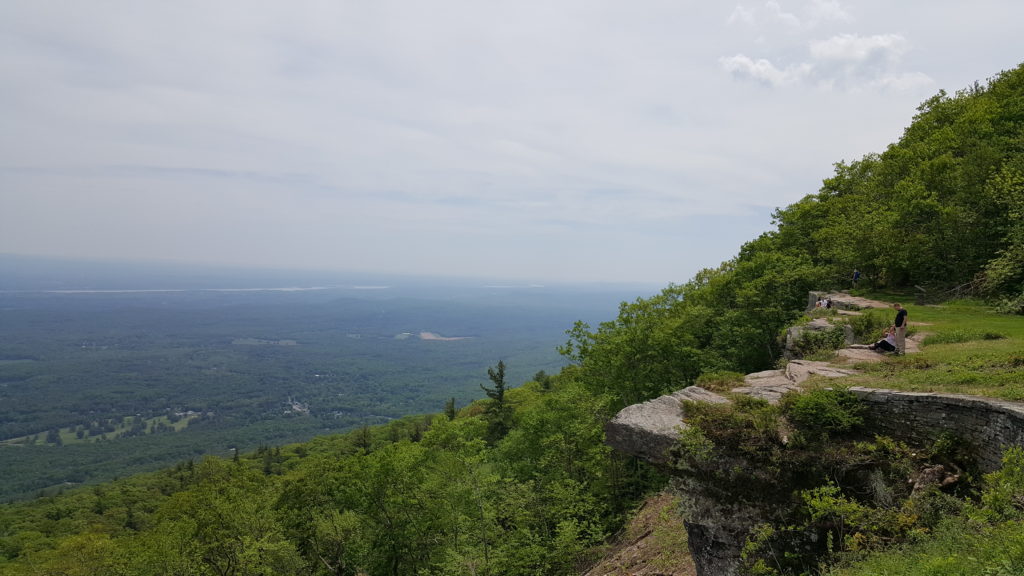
{"x":127,"y":427}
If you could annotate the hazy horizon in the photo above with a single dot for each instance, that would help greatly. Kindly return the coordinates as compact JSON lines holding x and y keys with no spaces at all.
{"x":56,"y":274}
{"x":571,"y":141}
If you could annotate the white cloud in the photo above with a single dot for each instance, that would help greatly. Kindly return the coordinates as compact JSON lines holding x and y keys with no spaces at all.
{"x":904,"y":82}
{"x":854,"y":48}
{"x":806,"y":16}
{"x":828,"y":11}
{"x":841,"y":62}
{"x":742,"y":15}
{"x":788,"y":18}
{"x":763,"y":70}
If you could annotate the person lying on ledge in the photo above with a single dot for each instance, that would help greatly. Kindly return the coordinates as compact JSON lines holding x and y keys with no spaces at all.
{"x":886,"y":344}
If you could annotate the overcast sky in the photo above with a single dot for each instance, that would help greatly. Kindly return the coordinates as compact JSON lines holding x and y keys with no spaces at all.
{"x":536,"y":140}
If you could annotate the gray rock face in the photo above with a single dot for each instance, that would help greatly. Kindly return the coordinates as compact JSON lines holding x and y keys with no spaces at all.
{"x":844,"y":301}
{"x":649,"y":429}
{"x":988,"y":425}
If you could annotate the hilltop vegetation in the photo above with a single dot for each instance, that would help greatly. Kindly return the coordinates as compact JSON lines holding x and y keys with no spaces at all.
{"x":522,"y":482}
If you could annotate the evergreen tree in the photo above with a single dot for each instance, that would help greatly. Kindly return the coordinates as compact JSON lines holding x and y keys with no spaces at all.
{"x":498,"y":411}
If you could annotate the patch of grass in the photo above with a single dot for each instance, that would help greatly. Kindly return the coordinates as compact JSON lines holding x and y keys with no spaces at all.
{"x":957,"y":336}
{"x":970,"y":349}
{"x":720,"y":381}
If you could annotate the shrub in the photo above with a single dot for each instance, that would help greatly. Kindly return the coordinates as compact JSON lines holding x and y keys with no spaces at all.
{"x":822,"y":411}
{"x":1013,"y":305}
{"x":1003,"y":497}
{"x":811,"y":342}
{"x":869,"y":326}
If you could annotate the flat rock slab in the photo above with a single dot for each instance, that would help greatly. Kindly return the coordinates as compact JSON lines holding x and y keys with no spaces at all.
{"x":799,"y":370}
{"x":649,"y":429}
{"x":771,"y":393}
{"x":849,"y":302}
{"x":852,"y":355}
{"x":646,"y":430}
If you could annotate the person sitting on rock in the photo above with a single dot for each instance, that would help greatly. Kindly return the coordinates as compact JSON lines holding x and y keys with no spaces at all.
{"x":887,"y":343}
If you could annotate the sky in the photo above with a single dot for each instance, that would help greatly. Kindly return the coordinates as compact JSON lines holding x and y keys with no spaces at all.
{"x":544,"y":141}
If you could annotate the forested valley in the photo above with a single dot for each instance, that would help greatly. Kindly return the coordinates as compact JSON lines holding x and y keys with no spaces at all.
{"x":96,"y":384}
{"x":520,"y":481}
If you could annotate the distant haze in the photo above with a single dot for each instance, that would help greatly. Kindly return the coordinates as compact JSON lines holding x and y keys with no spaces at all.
{"x":534,"y":141}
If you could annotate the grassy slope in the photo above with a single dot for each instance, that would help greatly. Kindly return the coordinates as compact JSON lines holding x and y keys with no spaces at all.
{"x":977,"y":365}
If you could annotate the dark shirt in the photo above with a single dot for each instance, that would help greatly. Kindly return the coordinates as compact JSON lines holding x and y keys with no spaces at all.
{"x":901,"y":317}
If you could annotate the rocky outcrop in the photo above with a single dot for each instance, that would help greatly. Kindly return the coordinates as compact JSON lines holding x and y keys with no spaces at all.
{"x":649,"y":429}
{"x":844,"y":301}
{"x":718,"y":523}
{"x":718,"y":526}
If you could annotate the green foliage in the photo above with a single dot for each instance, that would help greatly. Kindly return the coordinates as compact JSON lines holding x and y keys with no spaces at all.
{"x":935,"y":209}
{"x":720,"y":380}
{"x":822,"y":412}
{"x":498,"y":412}
{"x":811,"y":342}
{"x":724,"y":319}
{"x":870,"y":326}
{"x":985,"y":539}
{"x":801,"y":465}
{"x":1003,"y":497}
{"x":421,"y":495}
{"x":1011,"y":305}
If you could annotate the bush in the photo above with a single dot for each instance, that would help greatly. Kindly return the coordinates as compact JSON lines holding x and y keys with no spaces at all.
{"x":1013,"y":305}
{"x":1003,"y":497}
{"x":869,"y":326}
{"x":815,"y":341}
{"x":822,"y":411}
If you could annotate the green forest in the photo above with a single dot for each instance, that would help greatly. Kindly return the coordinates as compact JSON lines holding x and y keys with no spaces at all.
{"x":521,"y":481}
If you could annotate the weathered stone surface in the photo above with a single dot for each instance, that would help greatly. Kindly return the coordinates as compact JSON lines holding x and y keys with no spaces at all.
{"x":771,"y":394}
{"x":987,"y":424}
{"x":844,"y":301}
{"x":859,"y":355}
{"x":646,"y":430}
{"x":698,"y":394}
{"x":800,"y":370}
{"x":769,"y":385}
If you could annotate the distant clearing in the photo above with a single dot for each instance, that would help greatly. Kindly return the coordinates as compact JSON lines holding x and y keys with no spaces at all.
{"x":259,"y":342}
{"x":433,"y":336}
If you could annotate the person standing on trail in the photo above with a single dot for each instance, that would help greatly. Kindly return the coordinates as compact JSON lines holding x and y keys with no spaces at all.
{"x":856,"y":277}
{"x":901,"y":329}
